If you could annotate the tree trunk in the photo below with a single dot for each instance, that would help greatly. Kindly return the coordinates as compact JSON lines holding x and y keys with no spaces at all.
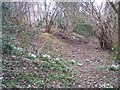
{"x":119,"y":30}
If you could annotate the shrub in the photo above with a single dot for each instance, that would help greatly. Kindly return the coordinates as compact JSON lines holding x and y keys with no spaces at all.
{"x":83,"y":28}
{"x":40,"y":23}
{"x":8,"y":28}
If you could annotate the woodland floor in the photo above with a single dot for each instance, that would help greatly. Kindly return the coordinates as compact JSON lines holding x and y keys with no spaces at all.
{"x":94,"y":62}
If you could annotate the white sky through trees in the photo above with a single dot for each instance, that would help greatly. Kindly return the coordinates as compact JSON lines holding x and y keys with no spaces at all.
{"x":97,"y":3}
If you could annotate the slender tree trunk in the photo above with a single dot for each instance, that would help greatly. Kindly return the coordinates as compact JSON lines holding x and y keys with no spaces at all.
{"x":34,"y":13}
{"x":46,"y":17}
{"x":119,"y":30}
{"x":29,"y":16}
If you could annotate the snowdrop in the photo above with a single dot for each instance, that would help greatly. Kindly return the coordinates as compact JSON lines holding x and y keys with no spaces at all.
{"x":33,"y":55}
{"x":13,"y":56}
{"x":115,"y":66}
{"x":45,"y":55}
{"x":1,"y":78}
{"x":57,"y":59}
{"x":106,"y":85}
{"x":66,"y":67}
{"x":18,"y":48}
{"x":29,"y":86}
{"x":79,"y":64}
{"x":24,"y":68}
{"x":73,"y":61}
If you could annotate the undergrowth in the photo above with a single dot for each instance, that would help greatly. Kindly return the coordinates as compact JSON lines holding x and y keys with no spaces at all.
{"x":41,"y":72}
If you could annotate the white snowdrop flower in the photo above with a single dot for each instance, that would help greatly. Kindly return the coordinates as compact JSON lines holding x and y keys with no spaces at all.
{"x":103,"y":85}
{"x":29,"y":86}
{"x":1,"y":78}
{"x":14,"y":47}
{"x":79,"y":85}
{"x":87,"y":60}
{"x":73,"y":61}
{"x":48,"y":56}
{"x":33,"y":55}
{"x":19,"y":48}
{"x":54,"y":82}
{"x":57,"y":59}
{"x":29,"y":53}
{"x":79,"y":64}
{"x":35,"y":68}
{"x":13,"y":56}
{"x":67,"y":67}
{"x":24,"y":68}
{"x":106,"y":85}
{"x":115,"y":66}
